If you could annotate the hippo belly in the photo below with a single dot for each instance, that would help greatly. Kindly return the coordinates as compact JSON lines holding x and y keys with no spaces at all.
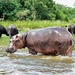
{"x":50,"y":41}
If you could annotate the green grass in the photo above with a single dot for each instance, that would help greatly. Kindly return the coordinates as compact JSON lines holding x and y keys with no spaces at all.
{"x":4,"y":41}
{"x":27,"y":25}
{"x":24,"y":25}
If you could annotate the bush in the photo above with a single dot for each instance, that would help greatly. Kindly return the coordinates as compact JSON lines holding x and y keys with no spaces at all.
{"x":22,"y":15}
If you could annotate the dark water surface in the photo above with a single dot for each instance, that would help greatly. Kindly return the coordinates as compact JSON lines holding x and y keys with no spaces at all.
{"x":22,"y":63}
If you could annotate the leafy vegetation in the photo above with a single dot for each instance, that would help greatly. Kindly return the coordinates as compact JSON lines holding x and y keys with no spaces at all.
{"x":34,"y":10}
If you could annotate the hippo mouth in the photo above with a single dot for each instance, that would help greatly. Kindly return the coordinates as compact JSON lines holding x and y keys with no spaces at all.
{"x":10,"y":50}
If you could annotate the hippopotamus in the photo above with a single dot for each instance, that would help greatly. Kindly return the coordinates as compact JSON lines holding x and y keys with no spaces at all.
{"x":12,"y":30}
{"x":3,"y":31}
{"x":71,"y":29}
{"x":48,"y":41}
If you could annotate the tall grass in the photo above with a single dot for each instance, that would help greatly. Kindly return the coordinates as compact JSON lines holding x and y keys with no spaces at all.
{"x":23,"y":25}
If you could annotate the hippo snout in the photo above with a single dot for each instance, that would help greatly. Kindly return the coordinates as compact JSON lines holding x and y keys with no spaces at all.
{"x":10,"y":50}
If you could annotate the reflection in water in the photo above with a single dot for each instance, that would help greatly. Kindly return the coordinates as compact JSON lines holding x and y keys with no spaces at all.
{"x":23,"y":63}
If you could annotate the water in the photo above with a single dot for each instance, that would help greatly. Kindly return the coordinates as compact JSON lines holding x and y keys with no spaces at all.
{"x":23,"y":63}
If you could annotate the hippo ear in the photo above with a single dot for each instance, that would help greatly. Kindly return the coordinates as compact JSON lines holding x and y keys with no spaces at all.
{"x":16,"y":36}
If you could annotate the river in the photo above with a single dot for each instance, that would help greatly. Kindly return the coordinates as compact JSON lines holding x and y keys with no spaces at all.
{"x":23,"y":63}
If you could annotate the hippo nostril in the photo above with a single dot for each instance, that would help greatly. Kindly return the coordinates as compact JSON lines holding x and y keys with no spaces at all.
{"x":11,"y":50}
{"x":7,"y":50}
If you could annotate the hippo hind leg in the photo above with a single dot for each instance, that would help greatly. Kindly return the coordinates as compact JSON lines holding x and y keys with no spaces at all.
{"x":32,"y":51}
{"x":69,"y":51}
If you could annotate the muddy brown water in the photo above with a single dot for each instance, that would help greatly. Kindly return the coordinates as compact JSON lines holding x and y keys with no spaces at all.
{"x":23,"y":63}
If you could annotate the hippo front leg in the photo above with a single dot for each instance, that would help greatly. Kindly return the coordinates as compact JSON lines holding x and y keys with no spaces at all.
{"x":31,"y":51}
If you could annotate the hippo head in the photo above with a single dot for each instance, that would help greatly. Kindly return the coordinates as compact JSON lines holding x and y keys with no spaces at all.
{"x":16,"y":42}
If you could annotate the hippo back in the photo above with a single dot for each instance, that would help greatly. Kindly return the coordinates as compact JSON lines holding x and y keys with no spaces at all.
{"x":49,"y":34}
{"x":12,"y":30}
{"x":3,"y":30}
